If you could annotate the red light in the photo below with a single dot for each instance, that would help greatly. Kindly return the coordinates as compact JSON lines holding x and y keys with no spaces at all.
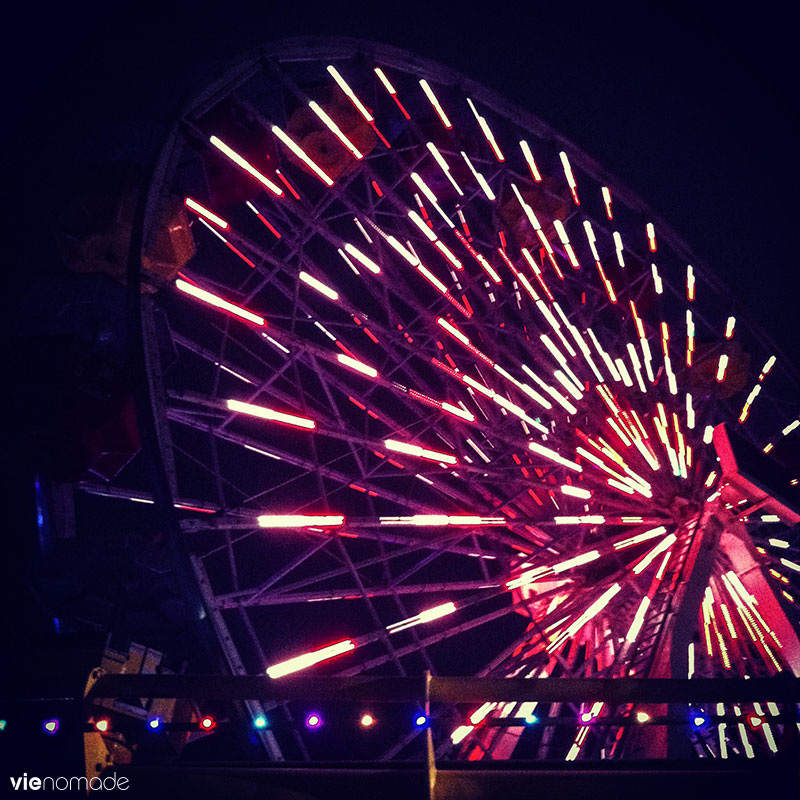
{"x":101,"y":725}
{"x":208,"y":723}
{"x":367,"y":721}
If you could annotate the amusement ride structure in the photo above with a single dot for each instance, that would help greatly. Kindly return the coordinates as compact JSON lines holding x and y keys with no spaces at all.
{"x":434,"y":392}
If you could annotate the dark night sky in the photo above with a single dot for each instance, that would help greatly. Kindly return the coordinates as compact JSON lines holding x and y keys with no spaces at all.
{"x":690,"y":108}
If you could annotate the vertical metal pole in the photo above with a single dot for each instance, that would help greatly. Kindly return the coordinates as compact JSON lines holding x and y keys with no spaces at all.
{"x":431,"y":758}
{"x":235,"y":663}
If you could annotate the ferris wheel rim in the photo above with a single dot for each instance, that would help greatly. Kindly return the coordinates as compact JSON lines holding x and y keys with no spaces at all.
{"x":351,"y":47}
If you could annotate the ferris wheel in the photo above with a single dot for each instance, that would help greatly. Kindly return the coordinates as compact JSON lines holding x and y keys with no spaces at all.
{"x":441,"y":394}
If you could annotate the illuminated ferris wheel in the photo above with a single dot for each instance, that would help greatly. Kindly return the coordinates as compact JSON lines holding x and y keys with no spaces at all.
{"x":441,"y":394}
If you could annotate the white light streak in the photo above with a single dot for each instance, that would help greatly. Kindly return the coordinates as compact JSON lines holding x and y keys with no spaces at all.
{"x":654,"y":553}
{"x":270,"y":414}
{"x":303,"y":156}
{"x":362,"y":259}
{"x":344,"y":86}
{"x":435,"y":103}
{"x":431,"y":614}
{"x":529,"y":160}
{"x":659,"y":287}
{"x":359,"y":366}
{"x":309,"y":659}
{"x":218,"y":302}
{"x":443,"y":165}
{"x":300,"y":520}
{"x":554,"y":456}
{"x":420,"y":452}
{"x":576,"y":491}
{"x":331,"y":125}
{"x":204,"y":212}
{"x":638,"y":620}
{"x":311,"y":281}
{"x":245,"y":165}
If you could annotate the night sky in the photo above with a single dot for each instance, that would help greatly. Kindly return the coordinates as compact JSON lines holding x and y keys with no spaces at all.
{"x":692,"y":109}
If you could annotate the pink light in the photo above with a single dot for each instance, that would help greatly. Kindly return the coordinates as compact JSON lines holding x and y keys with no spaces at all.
{"x":577,"y":561}
{"x":640,"y":537}
{"x":442,"y":520}
{"x":419,"y":452}
{"x":270,"y":414}
{"x":485,"y":265}
{"x":345,"y":87}
{"x":309,"y":659}
{"x":482,"y":182}
{"x":642,"y":565}
{"x":562,"y":234}
{"x":391,"y":90}
{"x":552,"y":455}
{"x":588,"y":615}
{"x":359,"y":366}
{"x":331,"y":125}
{"x":435,"y":103}
{"x":245,"y":165}
{"x":453,"y":331}
{"x":263,"y":219}
{"x":487,"y":132}
{"x":431,"y":197}
{"x":765,"y":370}
{"x":663,"y":567}
{"x":303,"y":156}
{"x":576,"y":491}
{"x":573,"y":186}
{"x":300,"y":521}
{"x":322,"y":288}
{"x":365,"y":261}
{"x":657,"y":284}
{"x":637,"y":320}
{"x":722,"y":366}
{"x":431,"y":614}
{"x":218,"y":302}
{"x":619,"y":248}
{"x":588,"y":519}
{"x":448,"y":254}
{"x":285,"y":182}
{"x":526,"y":151}
{"x":607,"y":201}
{"x":651,"y":237}
{"x":444,"y":166}
{"x":204,"y":212}
{"x":638,"y":620}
